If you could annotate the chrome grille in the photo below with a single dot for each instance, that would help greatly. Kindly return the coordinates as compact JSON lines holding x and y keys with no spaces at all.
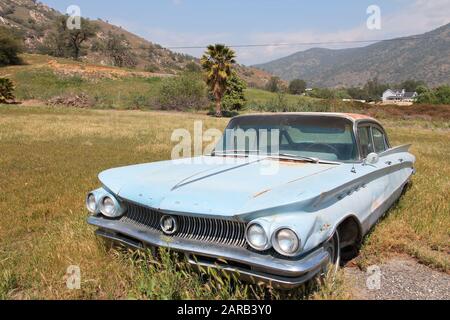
{"x":220,"y":231}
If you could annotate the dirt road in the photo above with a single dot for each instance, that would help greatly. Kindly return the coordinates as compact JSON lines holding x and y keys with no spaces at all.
{"x":400,"y":278}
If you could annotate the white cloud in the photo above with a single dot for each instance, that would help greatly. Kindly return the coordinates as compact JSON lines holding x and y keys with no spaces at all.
{"x":418,"y":17}
{"x":171,"y":39}
{"x":415,"y":18}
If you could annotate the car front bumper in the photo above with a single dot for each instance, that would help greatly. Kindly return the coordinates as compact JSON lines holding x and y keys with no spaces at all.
{"x":249,"y":266}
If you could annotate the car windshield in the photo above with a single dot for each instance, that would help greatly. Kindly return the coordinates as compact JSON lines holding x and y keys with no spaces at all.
{"x":314,"y":137}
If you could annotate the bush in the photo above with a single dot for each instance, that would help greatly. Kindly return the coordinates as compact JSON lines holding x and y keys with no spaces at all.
{"x":282,"y":104}
{"x":440,"y":95}
{"x":297,"y":86}
{"x":187,"y":91}
{"x":234,"y":98}
{"x":152,"y":68}
{"x":322,"y":93}
{"x":193,"y":67}
{"x":274,"y":84}
{"x":342,"y":94}
{"x":6,"y":90}
{"x":10,"y":47}
{"x":443,"y":95}
{"x":118,"y":49}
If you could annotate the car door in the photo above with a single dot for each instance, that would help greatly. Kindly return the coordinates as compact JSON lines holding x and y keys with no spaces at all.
{"x":374,"y":195}
{"x":396,"y":173}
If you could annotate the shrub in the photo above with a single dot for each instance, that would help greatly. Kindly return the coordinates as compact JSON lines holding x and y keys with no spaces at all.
{"x":234,"y":98}
{"x":274,"y":84}
{"x":118,"y":49}
{"x":187,"y":91}
{"x":6,"y":90}
{"x":152,"y":68}
{"x":193,"y":67}
{"x":10,"y":47}
{"x":8,"y":282}
{"x":342,"y":94}
{"x":322,"y":93}
{"x":440,"y":95}
{"x":297,"y":86}
{"x":443,"y":94}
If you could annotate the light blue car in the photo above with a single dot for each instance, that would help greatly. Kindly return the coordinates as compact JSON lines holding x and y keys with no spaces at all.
{"x":280,"y":198}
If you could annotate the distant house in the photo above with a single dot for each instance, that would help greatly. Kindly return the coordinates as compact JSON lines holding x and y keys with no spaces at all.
{"x":398,"y":96}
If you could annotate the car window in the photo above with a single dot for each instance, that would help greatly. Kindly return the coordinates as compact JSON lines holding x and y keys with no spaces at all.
{"x":365,"y":140}
{"x":379,"y":140}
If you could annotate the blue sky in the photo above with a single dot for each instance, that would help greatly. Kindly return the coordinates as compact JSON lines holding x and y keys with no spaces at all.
{"x":201,"y":22}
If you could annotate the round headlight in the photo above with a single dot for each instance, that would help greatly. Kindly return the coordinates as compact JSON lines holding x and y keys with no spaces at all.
{"x":108,"y":207}
{"x":286,"y":242}
{"x":257,"y":238}
{"x":91,"y":203}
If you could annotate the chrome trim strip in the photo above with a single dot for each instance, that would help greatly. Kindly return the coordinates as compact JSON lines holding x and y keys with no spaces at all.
{"x":256,"y":277}
{"x":360,"y":181}
{"x":260,"y":264}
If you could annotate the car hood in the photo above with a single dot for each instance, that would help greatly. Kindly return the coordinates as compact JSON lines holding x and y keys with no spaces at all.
{"x":210,"y":186}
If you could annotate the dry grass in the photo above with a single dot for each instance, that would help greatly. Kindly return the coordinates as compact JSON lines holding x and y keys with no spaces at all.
{"x":50,"y":158}
{"x":420,"y":223}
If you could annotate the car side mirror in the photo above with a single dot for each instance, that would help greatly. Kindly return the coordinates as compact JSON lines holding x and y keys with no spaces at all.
{"x":372,"y":159}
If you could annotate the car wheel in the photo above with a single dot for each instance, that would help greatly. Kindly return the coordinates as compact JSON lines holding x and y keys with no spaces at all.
{"x":334,"y":250}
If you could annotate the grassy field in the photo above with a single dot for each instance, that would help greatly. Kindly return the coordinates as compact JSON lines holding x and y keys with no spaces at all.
{"x":50,"y":158}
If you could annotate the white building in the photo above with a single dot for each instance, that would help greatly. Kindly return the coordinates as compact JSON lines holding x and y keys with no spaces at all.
{"x":398,"y":96}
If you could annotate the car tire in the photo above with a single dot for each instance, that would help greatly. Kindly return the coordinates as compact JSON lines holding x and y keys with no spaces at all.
{"x":333,"y":248}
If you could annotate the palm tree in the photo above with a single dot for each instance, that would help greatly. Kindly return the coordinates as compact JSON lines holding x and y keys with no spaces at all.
{"x":218,"y":63}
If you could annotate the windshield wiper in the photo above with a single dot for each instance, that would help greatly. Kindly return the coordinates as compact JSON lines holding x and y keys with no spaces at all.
{"x":295,"y":156}
{"x":277,"y":155}
{"x":298,"y":157}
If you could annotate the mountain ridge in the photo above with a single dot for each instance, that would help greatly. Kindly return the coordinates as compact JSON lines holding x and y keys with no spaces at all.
{"x":421,"y":57}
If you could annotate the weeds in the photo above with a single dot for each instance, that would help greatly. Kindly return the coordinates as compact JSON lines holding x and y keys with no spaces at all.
{"x":8,"y":282}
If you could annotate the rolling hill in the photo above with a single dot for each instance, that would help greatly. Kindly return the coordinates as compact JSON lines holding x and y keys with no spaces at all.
{"x":35,"y":21}
{"x":425,"y":57}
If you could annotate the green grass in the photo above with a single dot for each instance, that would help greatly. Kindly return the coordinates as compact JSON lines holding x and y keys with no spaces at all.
{"x":126,"y":93}
{"x":261,"y":97}
{"x":51,"y":158}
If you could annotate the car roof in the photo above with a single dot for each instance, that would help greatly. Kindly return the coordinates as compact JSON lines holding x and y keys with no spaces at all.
{"x":354,"y":117}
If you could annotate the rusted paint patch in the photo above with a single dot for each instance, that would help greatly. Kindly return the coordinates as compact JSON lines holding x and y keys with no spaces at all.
{"x":375,"y":204}
{"x":261,"y":193}
{"x":356,"y":116}
{"x":316,"y":173}
{"x":166,"y":238}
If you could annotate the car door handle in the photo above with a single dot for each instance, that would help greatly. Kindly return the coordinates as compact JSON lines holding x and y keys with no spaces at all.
{"x":401,"y":160}
{"x":388,"y":163}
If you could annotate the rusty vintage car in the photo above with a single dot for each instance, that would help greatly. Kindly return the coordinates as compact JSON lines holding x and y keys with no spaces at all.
{"x":296,"y":194}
